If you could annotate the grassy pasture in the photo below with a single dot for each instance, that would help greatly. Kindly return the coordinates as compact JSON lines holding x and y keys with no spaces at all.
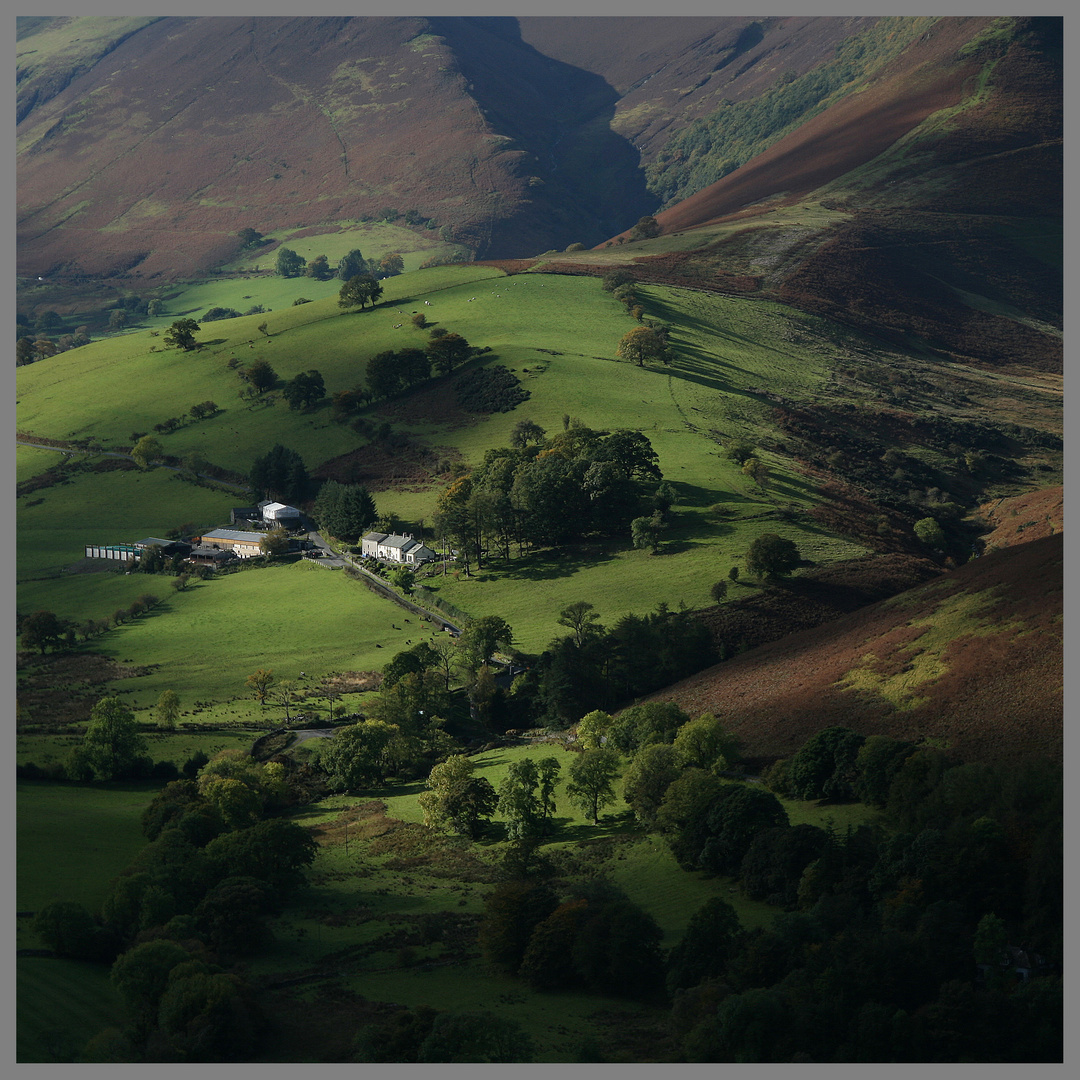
{"x":289,"y":617}
{"x":57,"y":522}
{"x":73,"y":839}
{"x":61,"y":1004}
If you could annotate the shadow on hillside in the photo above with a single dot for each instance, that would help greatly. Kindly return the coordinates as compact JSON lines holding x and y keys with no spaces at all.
{"x":559,"y":564}
{"x":610,"y":825}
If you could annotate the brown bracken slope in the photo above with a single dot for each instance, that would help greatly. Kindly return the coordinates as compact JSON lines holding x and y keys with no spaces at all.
{"x":972,"y":660}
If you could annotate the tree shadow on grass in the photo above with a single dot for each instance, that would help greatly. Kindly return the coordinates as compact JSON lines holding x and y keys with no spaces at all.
{"x":616,"y":824}
{"x":561,"y":563}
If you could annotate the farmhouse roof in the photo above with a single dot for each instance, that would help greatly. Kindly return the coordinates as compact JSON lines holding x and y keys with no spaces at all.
{"x":395,"y":541}
{"x":233,"y":534}
{"x":150,"y":541}
{"x":376,"y":537}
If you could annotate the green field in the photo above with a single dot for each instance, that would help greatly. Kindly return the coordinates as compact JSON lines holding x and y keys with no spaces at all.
{"x":558,"y":334}
{"x":60,"y":1005}
{"x":74,"y":839}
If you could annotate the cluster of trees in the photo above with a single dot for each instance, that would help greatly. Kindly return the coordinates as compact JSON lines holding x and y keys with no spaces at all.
{"x":181,"y":335}
{"x":595,"y":667}
{"x":280,"y":474}
{"x":593,"y":938}
{"x":547,"y":491}
{"x":346,"y":511}
{"x":304,"y":390}
{"x":351,"y":265}
{"x":193,"y":903}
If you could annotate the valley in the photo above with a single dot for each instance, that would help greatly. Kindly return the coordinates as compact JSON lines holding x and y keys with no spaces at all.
{"x":776,"y":601}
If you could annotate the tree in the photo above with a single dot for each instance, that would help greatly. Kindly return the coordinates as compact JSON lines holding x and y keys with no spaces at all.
{"x":352,"y":265}
{"x":929,"y":532}
{"x":617,"y":948}
{"x":654,"y":769}
{"x":704,"y":743}
{"x":581,"y":619}
{"x":711,"y":939}
{"x":718,"y":590}
{"x":448,"y":352}
{"x":260,"y":375}
{"x":344,"y":510}
{"x":167,"y":710}
{"x":525,"y":432}
{"x":275,"y":543}
{"x":481,"y":637}
{"x":181,"y":334}
{"x":404,"y":577}
{"x":645,"y":532}
{"x":118,"y":319}
{"x":279,"y":474}
{"x":141,"y":974}
{"x":646,"y":228}
{"x":518,"y":801}
{"x":249,"y":237}
{"x":112,"y":746}
{"x":43,"y":629}
{"x":475,"y":1037}
{"x":512,"y":911}
{"x":319,"y":269}
{"x":640,"y":345}
{"x":147,"y":449}
{"x":275,"y":851}
{"x":391,"y":264}
{"x":591,"y":778}
{"x":457,"y":799}
{"x":259,"y":683}
{"x":69,"y":929}
{"x":634,"y":453}
{"x":825,"y":766}
{"x":614,"y":278}
{"x":737,"y":815}
{"x":593,"y":728}
{"x":757,"y":470}
{"x":304,"y":390}
{"x":359,"y":290}
{"x":771,"y":556}
{"x":289,"y":264}
{"x":355,"y":757}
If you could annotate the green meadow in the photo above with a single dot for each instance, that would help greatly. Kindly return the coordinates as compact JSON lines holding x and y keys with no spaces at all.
{"x":60,"y":1004}
{"x":292,"y":617}
{"x":558,"y":333}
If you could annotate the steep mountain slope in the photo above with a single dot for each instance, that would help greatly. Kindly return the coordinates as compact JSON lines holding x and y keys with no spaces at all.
{"x":146,"y":144}
{"x":972,"y":659}
{"x":943,"y":185}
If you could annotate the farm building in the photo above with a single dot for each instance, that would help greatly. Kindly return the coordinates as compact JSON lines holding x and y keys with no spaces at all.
{"x":243,"y":544}
{"x":275,"y":513}
{"x":116,"y":552}
{"x":393,"y":548}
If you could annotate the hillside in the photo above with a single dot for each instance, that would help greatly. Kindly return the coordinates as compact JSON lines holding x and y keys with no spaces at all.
{"x":971,"y":661}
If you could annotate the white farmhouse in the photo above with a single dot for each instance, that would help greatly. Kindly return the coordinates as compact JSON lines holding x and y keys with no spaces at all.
{"x":394,"y":548}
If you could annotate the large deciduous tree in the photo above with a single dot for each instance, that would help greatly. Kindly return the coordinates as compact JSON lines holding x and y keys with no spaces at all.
{"x":448,"y":352}
{"x":305,"y":390}
{"x":592,"y":776}
{"x":770,"y":555}
{"x":112,"y":747}
{"x":641,"y":345}
{"x":181,"y":334}
{"x":352,"y":264}
{"x":362,"y":289}
{"x":456,"y":799}
{"x":289,"y":264}
{"x":355,"y":757}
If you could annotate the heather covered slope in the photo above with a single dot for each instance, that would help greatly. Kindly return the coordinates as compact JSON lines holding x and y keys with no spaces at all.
{"x":971,"y":660}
